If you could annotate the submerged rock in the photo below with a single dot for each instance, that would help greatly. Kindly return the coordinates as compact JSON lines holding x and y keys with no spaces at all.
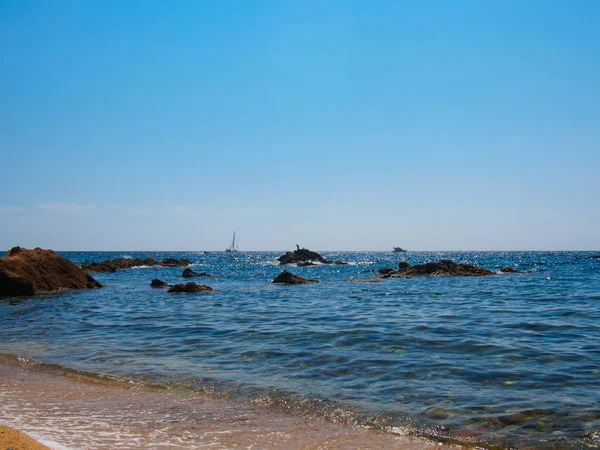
{"x":189,"y":273}
{"x":27,"y":272}
{"x":112,"y":265}
{"x":386,"y":270}
{"x":508,"y":269}
{"x":190,"y":287}
{"x":441,"y":268}
{"x":305,"y":257}
{"x":307,"y":263}
{"x":158,"y":283}
{"x":286,"y":277}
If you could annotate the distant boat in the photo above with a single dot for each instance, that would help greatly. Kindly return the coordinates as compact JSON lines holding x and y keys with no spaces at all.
{"x":232,"y":248}
{"x":399,"y":250}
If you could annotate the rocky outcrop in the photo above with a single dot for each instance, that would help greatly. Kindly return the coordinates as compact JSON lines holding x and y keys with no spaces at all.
{"x":190,"y":288}
{"x":508,"y":269}
{"x":303,"y":256}
{"x":286,"y":277}
{"x":173,"y":262}
{"x":385,"y":270}
{"x":28,"y":272}
{"x":441,"y":268}
{"x":156,"y":283}
{"x":189,"y":273}
{"x":112,"y":265}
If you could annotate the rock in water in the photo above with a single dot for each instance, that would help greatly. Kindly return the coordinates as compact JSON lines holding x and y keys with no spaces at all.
{"x":305,"y":264}
{"x":189,"y":273}
{"x":441,"y":268}
{"x":303,"y":256}
{"x":174,"y":262}
{"x":27,"y":272}
{"x":403,"y":265}
{"x":158,"y":283}
{"x":190,"y":287}
{"x":112,"y":265}
{"x":286,"y":277}
{"x":508,"y":269}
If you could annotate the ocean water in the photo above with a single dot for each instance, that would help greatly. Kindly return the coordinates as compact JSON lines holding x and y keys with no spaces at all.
{"x":506,"y":361}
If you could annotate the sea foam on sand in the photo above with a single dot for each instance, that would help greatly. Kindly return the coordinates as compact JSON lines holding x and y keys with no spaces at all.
{"x":64,"y":410}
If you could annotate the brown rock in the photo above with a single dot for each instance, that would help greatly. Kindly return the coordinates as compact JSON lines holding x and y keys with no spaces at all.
{"x":112,"y":265}
{"x":304,"y":256}
{"x":286,"y":277}
{"x":301,"y":255}
{"x":441,"y":268}
{"x":158,"y":283}
{"x":306,"y":263}
{"x":386,"y":270}
{"x":508,"y":269}
{"x":27,"y":272}
{"x":190,"y":287}
{"x":173,"y":262}
{"x":189,"y":273}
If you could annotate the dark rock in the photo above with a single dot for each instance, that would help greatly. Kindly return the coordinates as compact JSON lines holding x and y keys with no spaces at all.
{"x":173,"y":262}
{"x":508,"y":269}
{"x":14,"y":251}
{"x":306,"y":263}
{"x":27,"y":272}
{"x":112,"y":265}
{"x":441,"y":268}
{"x":304,"y":255}
{"x":190,"y":287}
{"x":365,"y":280}
{"x":402,"y":265}
{"x":301,"y":255}
{"x":286,"y":277}
{"x":189,"y":273}
{"x":158,"y":283}
{"x":386,"y":270}
{"x":338,"y":263}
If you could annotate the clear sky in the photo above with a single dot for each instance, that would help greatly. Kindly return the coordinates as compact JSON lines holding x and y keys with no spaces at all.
{"x":359,"y":125}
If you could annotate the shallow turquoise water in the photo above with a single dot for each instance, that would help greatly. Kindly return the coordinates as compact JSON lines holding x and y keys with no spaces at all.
{"x":508,"y":360}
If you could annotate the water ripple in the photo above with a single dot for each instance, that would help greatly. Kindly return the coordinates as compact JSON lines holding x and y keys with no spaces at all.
{"x":505,"y":360}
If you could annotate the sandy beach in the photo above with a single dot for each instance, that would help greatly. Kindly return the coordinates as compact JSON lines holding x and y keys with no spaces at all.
{"x":65,"y":411}
{"x":17,"y":440}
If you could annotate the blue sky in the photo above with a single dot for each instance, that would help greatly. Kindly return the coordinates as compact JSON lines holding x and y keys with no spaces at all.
{"x":435,"y":125}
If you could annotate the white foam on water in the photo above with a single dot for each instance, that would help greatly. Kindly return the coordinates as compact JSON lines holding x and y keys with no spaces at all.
{"x":65,"y":413}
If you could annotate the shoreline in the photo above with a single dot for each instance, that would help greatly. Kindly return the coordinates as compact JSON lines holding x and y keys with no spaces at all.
{"x":62,"y":412}
{"x":17,"y":440}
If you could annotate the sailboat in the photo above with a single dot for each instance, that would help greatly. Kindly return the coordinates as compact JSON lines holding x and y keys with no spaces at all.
{"x":232,"y":248}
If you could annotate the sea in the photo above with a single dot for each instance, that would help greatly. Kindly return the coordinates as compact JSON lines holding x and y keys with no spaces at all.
{"x":504,"y":361}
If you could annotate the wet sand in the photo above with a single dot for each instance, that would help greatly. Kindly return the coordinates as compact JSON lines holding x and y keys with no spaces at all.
{"x":16,"y":440}
{"x":67,"y":411}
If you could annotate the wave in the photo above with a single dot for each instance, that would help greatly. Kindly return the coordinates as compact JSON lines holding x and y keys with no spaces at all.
{"x":427,"y":425}
{"x":310,"y":407}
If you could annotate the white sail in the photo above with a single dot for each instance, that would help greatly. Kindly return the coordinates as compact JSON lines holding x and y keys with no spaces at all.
{"x":232,"y":248}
